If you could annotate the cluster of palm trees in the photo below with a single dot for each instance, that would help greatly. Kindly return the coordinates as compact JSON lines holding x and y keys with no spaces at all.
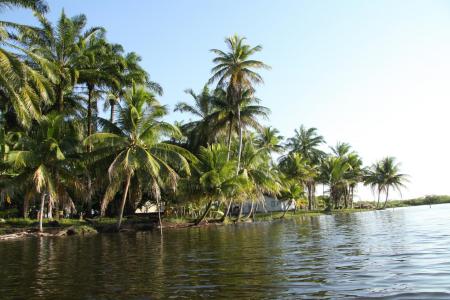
{"x":59,"y":155}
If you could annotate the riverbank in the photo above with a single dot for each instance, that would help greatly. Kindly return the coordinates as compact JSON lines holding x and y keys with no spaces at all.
{"x":14,"y":228}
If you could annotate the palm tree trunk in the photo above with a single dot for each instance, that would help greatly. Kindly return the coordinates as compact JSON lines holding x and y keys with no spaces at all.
{"x":351,"y":197}
{"x":208,"y":207}
{"x":158,"y":203}
{"x":240,"y":212}
{"x":387,"y":195}
{"x":308,"y":188}
{"x":286,"y":209}
{"x":240,"y":139}
{"x":251,"y":210}
{"x":227,"y":211}
{"x":379,"y":194}
{"x":111,"y":117}
{"x":60,"y":95}
{"x":124,"y":200}
{"x":313,"y":195}
{"x":50,"y":208}
{"x":89,"y":111}
{"x":230,"y":129}
{"x":26,"y":207}
{"x":89,"y":147}
{"x":41,"y":212}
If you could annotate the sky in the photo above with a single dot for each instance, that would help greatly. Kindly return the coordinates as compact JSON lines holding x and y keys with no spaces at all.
{"x":375,"y":74}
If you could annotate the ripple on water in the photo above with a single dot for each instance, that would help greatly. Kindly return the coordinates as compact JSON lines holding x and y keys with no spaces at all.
{"x":393,"y":254}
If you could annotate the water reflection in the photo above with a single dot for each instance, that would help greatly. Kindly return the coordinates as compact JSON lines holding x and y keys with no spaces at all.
{"x":393,"y":253}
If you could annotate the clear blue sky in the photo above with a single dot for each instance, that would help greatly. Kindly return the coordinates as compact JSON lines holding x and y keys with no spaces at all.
{"x":375,"y":74}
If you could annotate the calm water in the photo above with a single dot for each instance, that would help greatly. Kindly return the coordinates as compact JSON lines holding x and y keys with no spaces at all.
{"x":394,"y":253}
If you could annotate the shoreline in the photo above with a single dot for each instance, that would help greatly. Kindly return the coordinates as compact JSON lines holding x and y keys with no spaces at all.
{"x":10,"y":230}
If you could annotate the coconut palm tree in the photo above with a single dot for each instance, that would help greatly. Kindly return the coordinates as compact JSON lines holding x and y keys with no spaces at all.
{"x":256,"y":167}
{"x":22,"y":88}
{"x":385,"y":175}
{"x":307,"y":141}
{"x":235,"y":71}
{"x":137,"y":153}
{"x":270,"y":139}
{"x":226,"y":114}
{"x":335,"y":172}
{"x":131,"y":73}
{"x":213,"y":179}
{"x":203,"y":131}
{"x":35,"y":5}
{"x":43,"y":159}
{"x":291,"y":191}
{"x":57,"y":51}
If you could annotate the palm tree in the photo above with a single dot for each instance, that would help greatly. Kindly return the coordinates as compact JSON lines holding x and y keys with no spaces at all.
{"x":355,"y":174}
{"x":136,"y":151}
{"x":202,"y":131}
{"x":335,"y":172}
{"x":57,"y":51}
{"x":99,"y":65}
{"x":213,"y":179}
{"x":291,"y":192}
{"x":256,"y":167}
{"x":236,"y":71}
{"x":270,"y":139}
{"x":226,"y":114}
{"x":385,"y":175}
{"x":306,"y":142}
{"x":35,"y":5}
{"x":42,"y":161}
{"x":22,"y":88}
{"x":131,"y":73}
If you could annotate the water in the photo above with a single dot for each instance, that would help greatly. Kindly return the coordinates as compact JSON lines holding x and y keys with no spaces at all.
{"x":401,"y":253}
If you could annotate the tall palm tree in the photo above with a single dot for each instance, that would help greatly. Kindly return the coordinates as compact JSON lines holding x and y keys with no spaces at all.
{"x":202,"y":131}
{"x":136,"y":151}
{"x":43,"y":160}
{"x":131,"y":73}
{"x":22,"y":88}
{"x":270,"y":139}
{"x":306,"y":141}
{"x":57,"y":51}
{"x":226,"y":114}
{"x":335,"y":172}
{"x":385,"y":175}
{"x":235,"y":70}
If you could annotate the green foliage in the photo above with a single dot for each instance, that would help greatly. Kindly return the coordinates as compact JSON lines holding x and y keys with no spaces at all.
{"x":58,"y":157}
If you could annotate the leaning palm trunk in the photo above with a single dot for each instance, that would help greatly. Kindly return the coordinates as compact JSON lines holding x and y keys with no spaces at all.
{"x":124,"y":200}
{"x":227,"y":211}
{"x":387,"y":195}
{"x":208,"y":207}
{"x":251,"y":209}
{"x":240,"y":213}
{"x":41,"y":212}
{"x":286,"y":209}
{"x":378,"y":202}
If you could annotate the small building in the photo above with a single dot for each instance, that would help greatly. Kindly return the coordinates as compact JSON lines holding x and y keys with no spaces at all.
{"x":269,"y":204}
{"x":148,"y":208}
